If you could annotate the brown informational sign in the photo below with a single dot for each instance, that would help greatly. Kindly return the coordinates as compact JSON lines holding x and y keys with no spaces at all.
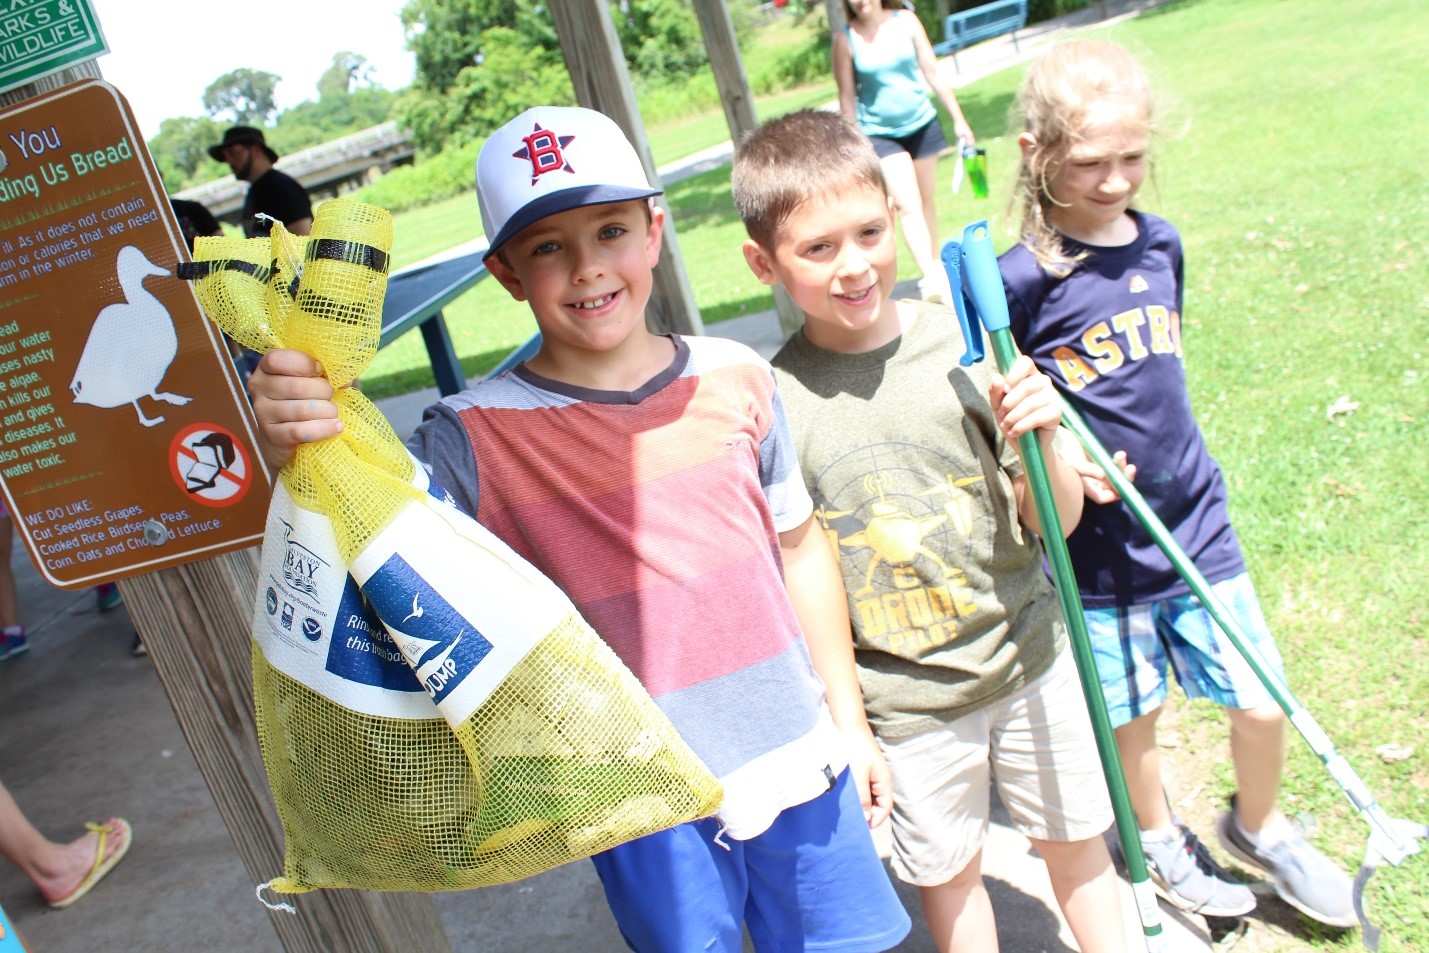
{"x":126,"y":444}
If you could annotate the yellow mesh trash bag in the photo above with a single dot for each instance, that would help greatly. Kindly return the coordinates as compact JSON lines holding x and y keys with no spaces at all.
{"x":434,"y":713}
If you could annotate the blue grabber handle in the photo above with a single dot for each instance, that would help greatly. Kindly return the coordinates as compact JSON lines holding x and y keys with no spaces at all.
{"x":972,"y":335}
{"x":972,"y":267}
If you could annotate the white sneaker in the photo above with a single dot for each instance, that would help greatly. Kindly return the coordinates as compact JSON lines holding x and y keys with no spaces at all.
{"x":1183,"y":872}
{"x":1305,"y":878}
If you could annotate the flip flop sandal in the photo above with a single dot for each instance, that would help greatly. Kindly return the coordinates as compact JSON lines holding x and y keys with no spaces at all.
{"x":102,"y":864}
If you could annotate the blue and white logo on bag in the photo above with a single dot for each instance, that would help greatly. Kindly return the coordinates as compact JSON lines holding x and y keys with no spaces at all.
{"x":301,"y":566}
{"x":361,"y":650}
{"x":439,"y":643}
{"x":434,"y":489}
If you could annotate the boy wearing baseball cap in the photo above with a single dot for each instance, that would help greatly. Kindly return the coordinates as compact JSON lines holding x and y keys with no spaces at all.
{"x":651,"y":477}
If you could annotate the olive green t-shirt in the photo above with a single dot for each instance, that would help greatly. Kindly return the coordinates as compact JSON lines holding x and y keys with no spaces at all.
{"x":912,"y":481}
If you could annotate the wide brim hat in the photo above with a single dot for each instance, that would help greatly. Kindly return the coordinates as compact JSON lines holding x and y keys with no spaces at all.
{"x":552,"y":159}
{"x":245,"y":136}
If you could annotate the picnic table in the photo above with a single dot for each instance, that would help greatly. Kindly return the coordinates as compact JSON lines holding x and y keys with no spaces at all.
{"x":416,"y":297}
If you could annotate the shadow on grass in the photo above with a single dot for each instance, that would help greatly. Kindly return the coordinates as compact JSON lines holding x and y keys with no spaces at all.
{"x":1162,"y":9}
{"x":989,"y":115}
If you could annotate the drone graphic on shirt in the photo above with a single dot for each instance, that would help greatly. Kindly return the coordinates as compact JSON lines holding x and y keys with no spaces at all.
{"x":959,"y":506}
{"x":893,"y":534}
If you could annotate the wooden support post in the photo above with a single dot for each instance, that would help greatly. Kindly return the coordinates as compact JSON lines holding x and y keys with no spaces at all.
{"x":194,"y":619}
{"x":722,"y":46}
{"x":597,"y":66}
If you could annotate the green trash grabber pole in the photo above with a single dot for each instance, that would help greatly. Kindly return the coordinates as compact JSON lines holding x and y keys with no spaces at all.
{"x":1391,"y":839}
{"x":972,"y":266}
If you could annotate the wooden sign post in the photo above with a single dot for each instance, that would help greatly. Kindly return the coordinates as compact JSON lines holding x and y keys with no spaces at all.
{"x":592,"y":53}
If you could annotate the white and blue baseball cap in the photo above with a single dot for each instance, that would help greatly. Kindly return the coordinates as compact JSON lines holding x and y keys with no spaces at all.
{"x":552,"y":159}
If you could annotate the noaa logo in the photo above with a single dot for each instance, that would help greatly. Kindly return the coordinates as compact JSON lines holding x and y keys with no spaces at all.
{"x":272,"y":601}
{"x":300,"y":564}
{"x":312,"y":629}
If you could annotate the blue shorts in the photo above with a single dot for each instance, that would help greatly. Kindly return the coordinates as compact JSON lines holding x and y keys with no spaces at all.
{"x":1132,"y":645}
{"x":925,"y":141}
{"x":812,"y":881}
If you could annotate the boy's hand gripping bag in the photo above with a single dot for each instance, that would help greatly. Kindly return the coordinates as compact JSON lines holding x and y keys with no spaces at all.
{"x":434,"y":713}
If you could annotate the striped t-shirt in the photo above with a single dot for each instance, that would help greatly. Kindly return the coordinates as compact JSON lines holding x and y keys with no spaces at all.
{"x":658,"y":511}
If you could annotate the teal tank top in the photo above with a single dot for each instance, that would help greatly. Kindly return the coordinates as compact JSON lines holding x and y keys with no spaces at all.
{"x":892,"y":100}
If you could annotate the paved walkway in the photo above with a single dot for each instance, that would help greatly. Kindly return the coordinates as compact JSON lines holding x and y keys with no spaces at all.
{"x":86,"y":732}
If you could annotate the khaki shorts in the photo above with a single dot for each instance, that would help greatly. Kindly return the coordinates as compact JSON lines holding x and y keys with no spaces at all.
{"x":1039,"y":746}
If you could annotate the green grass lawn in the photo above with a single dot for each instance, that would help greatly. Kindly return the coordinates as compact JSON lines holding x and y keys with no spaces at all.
{"x":1300,"y":191}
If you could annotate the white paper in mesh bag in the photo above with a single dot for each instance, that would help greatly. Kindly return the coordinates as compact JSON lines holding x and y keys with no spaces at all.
{"x":313,"y":625}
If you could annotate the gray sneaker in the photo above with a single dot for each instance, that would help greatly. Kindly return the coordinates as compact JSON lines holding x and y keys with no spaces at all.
{"x":1185,"y":874}
{"x":1304,"y":877}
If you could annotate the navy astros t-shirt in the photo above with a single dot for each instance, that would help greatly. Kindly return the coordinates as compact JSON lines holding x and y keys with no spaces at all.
{"x":1109,"y":336}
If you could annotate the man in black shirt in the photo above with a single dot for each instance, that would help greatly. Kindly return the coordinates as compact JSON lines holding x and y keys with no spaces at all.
{"x":272,"y":192}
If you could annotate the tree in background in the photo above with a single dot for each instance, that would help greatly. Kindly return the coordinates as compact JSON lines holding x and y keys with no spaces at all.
{"x":445,"y":35}
{"x":479,"y":61}
{"x":244,"y":95}
{"x":180,"y":151}
{"x":513,"y":67}
{"x":462,"y":49}
{"x":348,"y":101}
{"x":661,"y":38}
{"x":347,"y":72}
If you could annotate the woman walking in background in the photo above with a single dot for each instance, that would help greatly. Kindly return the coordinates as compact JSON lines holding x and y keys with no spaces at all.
{"x":882,"y":61}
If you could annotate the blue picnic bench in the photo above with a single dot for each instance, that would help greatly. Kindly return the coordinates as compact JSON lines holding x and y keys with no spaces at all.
{"x":961,"y":30}
{"x":415,"y":299}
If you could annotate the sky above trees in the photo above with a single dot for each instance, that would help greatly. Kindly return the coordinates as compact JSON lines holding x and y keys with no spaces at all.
{"x":163,"y":60}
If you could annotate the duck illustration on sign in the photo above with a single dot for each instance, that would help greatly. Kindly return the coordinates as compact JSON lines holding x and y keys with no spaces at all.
{"x":130,"y":346}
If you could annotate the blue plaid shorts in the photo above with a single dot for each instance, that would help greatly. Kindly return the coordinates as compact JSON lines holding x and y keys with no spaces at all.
{"x":1133,"y":645}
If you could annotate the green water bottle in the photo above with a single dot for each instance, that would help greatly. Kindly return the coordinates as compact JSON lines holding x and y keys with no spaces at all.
{"x":975,"y":165}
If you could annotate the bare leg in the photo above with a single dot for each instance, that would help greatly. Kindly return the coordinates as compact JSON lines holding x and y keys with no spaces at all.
{"x":1140,"y":760}
{"x":1258,"y":750}
{"x":902,"y":182}
{"x":959,"y":912}
{"x":1086,"y":889}
{"x":926,"y":171}
{"x":56,"y":869}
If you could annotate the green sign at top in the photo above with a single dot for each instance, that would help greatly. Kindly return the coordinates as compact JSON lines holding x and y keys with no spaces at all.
{"x":40,"y":37}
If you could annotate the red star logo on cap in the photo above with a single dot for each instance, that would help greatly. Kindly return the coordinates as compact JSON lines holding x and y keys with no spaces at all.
{"x":544,"y":150}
